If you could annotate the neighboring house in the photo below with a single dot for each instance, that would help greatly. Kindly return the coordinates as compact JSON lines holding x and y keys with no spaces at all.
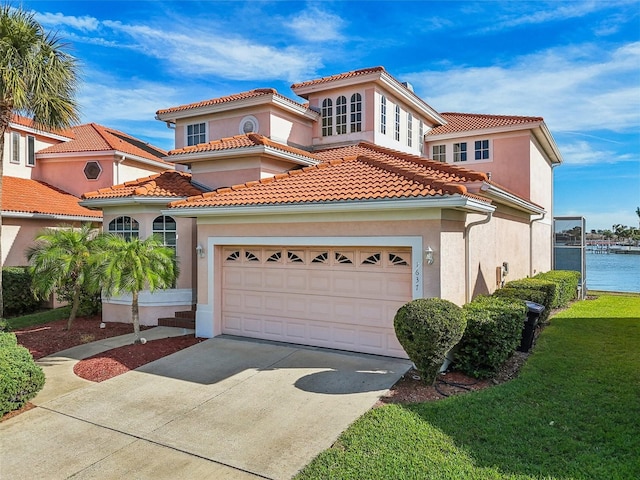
{"x":314,"y":222}
{"x":45,"y":172}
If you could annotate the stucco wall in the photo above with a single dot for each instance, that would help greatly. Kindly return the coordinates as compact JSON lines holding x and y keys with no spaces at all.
{"x":21,"y":170}
{"x":68,"y":173}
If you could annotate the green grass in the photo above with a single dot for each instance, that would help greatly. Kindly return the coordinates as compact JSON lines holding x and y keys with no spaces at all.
{"x":37,"y":318}
{"x":573,"y":413}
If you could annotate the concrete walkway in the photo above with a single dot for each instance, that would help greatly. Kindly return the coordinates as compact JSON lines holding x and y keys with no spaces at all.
{"x":226,"y":408}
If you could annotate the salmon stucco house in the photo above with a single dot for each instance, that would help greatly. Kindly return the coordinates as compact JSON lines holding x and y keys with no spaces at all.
{"x":312,"y":220}
{"x":45,"y":172}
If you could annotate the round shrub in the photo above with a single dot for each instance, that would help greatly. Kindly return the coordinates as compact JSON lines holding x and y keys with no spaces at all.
{"x":427,"y":328}
{"x":20,"y":378}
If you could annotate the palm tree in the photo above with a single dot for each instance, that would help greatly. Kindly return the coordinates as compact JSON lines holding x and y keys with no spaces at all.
{"x":131,"y":266}
{"x":37,"y":79}
{"x":61,"y":257}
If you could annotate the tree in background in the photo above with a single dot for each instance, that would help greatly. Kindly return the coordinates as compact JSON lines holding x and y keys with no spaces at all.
{"x":38,"y":79}
{"x":62,"y":258}
{"x":131,"y":266}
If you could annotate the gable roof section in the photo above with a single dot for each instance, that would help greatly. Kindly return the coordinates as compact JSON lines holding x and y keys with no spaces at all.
{"x":251,"y":94}
{"x":164,"y":185}
{"x":239,"y":142}
{"x":464,"y":122}
{"x":92,"y":137}
{"x":28,"y":123}
{"x":363,"y":172}
{"x":22,"y":196}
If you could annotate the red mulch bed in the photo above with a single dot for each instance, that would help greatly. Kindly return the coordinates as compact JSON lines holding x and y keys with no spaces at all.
{"x":43,"y":340}
{"x":106,"y":365}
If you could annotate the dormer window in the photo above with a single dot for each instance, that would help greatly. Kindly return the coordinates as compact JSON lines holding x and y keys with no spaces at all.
{"x":356,"y":112}
{"x":341,"y":115}
{"x":196,"y":134}
{"x":327,"y":117}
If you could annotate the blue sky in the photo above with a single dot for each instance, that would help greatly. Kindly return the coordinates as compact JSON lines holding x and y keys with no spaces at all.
{"x":575,"y":63}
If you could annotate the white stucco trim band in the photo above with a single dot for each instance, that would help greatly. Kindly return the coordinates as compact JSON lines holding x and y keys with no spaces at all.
{"x":234,"y":153}
{"x":452,"y":201}
{"x":511,"y":199}
{"x":159,"y":298}
{"x":44,"y":216}
{"x":205,"y":312}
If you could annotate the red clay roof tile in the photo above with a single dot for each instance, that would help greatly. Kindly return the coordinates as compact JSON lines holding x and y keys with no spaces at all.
{"x":258,"y":92}
{"x":92,"y":137}
{"x":28,"y":122}
{"x":362,"y":172}
{"x":463,"y":122}
{"x":340,"y":76}
{"x":22,"y":195}
{"x":240,"y":141}
{"x":165,"y":184}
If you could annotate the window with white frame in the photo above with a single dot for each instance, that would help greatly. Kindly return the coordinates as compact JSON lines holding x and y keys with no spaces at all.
{"x":439,"y":153}
{"x":341,"y":115}
{"x":397,"y":129}
{"x":125,"y":226}
{"x":356,"y":113}
{"x":31,"y":150}
{"x":327,"y":117}
{"x":482,"y":149}
{"x":460,"y":152}
{"x":165,"y":227}
{"x":15,"y":147}
{"x":196,"y":134}
{"x":383,"y":114}
{"x":409,"y":129}
{"x":421,"y":135}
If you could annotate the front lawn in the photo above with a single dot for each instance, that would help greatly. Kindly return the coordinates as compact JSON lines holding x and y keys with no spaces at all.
{"x":574,"y":412}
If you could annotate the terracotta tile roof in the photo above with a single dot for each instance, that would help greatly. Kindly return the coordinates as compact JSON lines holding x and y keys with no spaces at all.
{"x":240,"y":141}
{"x":92,"y":137}
{"x":340,"y":76}
{"x":463,"y":122}
{"x":22,"y":195}
{"x":28,"y":122}
{"x":258,"y":92}
{"x":165,"y":184}
{"x":351,"y":173}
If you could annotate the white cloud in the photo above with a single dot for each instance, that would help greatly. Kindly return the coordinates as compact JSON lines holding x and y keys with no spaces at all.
{"x":583,"y":153}
{"x":203,"y":52}
{"x":315,"y":25}
{"x":581,"y":87}
{"x":56,"y":20}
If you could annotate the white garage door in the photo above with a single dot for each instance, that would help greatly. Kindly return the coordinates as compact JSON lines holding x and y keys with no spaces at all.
{"x":343,"y":298}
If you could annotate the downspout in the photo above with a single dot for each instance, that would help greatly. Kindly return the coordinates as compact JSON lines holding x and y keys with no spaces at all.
{"x":467,"y":254}
{"x":531,"y":242}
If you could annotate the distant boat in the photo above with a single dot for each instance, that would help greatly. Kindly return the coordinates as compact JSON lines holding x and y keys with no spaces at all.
{"x":628,"y":249}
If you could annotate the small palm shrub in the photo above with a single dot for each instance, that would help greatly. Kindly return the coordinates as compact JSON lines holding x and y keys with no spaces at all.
{"x":567,"y":281}
{"x":494,"y":330}
{"x":20,"y":378}
{"x":427,"y":329}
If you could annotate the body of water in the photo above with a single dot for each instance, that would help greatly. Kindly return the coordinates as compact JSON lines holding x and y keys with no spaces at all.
{"x":613,"y":272}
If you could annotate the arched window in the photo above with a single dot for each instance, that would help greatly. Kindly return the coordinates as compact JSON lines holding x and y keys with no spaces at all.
{"x":383,"y":114}
{"x":165,"y":227}
{"x":356,"y":112}
{"x":125,"y":226}
{"x":341,"y":115}
{"x":327,"y":117}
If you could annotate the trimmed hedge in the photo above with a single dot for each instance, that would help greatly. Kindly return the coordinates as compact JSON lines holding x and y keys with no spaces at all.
{"x":20,"y":378}
{"x":523,"y":294}
{"x":494,"y":331}
{"x":550,"y":290}
{"x":567,"y":281}
{"x":17,"y":296}
{"x":427,"y":328}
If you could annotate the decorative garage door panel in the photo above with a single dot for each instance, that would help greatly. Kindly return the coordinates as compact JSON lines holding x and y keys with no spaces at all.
{"x":335,"y":298}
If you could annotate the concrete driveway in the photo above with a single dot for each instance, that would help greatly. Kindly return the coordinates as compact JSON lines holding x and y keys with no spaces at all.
{"x":225,"y":408}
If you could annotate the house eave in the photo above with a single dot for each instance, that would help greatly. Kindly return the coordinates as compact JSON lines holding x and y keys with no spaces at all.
{"x":243,"y":152}
{"x":51,"y":216}
{"x":116,"y":154}
{"x":504,"y":197}
{"x":458,"y":202}
{"x":98,"y":203}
